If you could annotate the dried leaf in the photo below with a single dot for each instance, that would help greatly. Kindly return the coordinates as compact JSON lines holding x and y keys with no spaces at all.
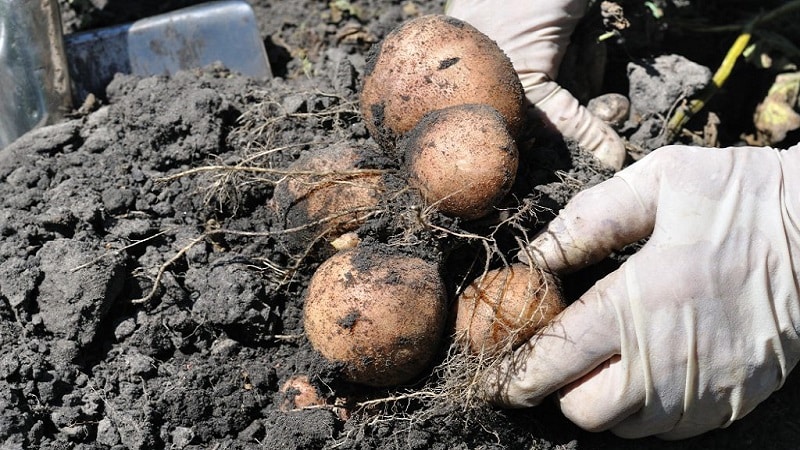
{"x":776,"y":115}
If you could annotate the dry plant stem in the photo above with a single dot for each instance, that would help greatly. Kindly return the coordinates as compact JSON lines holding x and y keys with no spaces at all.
{"x":242,"y":166}
{"x":778,"y":12}
{"x":287,"y":337}
{"x":166,"y":265}
{"x":202,"y":237}
{"x":225,"y":174}
{"x":283,"y":172}
{"x":685,"y":112}
{"x":411,"y":395}
{"x":253,"y":126}
{"x":118,"y":251}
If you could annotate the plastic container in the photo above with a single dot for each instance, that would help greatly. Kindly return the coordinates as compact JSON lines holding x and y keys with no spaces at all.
{"x":188,"y":38}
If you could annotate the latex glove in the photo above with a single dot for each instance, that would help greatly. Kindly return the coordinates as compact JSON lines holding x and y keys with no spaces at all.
{"x":697,"y":327}
{"x":535,"y":35}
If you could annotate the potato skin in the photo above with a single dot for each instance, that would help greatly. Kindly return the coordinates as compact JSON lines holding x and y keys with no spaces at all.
{"x":380,"y":314}
{"x":506,"y":307}
{"x":433,"y":62}
{"x":303,"y":198}
{"x":462,"y":159}
{"x":298,"y":393}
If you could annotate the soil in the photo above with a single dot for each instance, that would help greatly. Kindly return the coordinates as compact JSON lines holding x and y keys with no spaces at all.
{"x":151,"y":298}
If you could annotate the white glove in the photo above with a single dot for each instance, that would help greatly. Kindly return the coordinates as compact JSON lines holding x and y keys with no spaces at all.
{"x":697,"y":327}
{"x":535,"y":35}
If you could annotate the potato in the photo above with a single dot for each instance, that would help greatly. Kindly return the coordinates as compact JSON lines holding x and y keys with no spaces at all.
{"x":297,"y":392}
{"x":462,"y":159}
{"x":433,"y":62}
{"x":612,"y":108}
{"x":325,"y":193}
{"x":506,"y":307}
{"x":379,"y":314}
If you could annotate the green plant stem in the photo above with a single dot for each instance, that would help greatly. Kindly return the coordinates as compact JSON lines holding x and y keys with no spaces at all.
{"x":685,"y":112}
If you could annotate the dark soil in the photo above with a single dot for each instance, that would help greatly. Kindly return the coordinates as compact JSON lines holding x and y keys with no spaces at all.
{"x":143,"y":306}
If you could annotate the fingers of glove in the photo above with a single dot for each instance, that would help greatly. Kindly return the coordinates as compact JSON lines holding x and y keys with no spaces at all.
{"x":593,"y":224}
{"x":603,"y":397}
{"x":682,"y":431}
{"x":732,"y":393}
{"x":639,"y":391}
{"x":534,"y":35}
{"x":582,"y":337}
{"x":620,"y":210}
{"x":559,"y":109}
{"x":646,"y":423}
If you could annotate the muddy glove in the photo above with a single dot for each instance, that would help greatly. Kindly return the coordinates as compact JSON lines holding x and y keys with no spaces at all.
{"x":697,"y":327}
{"x":535,"y":35}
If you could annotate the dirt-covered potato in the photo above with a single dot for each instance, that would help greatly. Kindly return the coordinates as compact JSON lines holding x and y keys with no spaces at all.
{"x":612,"y":108}
{"x":505,"y":307}
{"x":297,"y":393}
{"x":433,"y":62}
{"x":380,"y":314}
{"x":327,"y":192}
{"x":462,"y":159}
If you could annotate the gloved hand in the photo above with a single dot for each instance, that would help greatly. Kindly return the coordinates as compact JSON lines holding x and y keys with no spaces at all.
{"x":535,"y":35}
{"x":697,"y":327}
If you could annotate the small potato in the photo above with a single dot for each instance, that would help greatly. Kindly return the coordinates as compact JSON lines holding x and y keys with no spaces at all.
{"x":325,"y":193}
{"x":433,"y":62}
{"x":462,"y":159}
{"x":298,"y":392}
{"x":380,"y":314}
{"x":505,"y":308}
{"x":613,"y":109}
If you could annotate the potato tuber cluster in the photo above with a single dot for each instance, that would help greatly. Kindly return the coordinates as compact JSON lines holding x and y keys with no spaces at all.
{"x":444,"y":103}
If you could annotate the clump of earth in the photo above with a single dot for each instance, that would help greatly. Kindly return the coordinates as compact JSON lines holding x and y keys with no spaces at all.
{"x":151,"y":298}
